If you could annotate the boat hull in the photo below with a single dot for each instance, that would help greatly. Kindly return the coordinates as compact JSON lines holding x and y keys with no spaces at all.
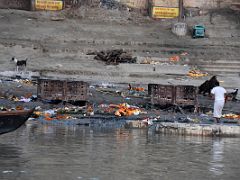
{"x":12,"y":120}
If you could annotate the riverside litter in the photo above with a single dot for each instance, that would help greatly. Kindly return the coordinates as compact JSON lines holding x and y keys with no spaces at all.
{"x":114,"y":105}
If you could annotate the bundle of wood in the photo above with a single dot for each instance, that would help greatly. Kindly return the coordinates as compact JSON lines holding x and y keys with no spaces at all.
{"x":114,"y":57}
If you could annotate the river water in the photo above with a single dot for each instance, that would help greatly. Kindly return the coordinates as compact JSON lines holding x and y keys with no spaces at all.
{"x":44,"y":152}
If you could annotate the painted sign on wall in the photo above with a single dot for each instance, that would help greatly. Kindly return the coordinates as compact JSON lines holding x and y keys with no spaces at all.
{"x":164,"y":12}
{"x":49,"y":5}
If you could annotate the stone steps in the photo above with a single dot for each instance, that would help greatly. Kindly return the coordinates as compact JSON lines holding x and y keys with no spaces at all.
{"x":227,"y":61}
{"x":235,"y":66}
{"x":227,"y":67}
{"x":154,"y":69}
{"x":221,"y":72}
{"x":221,"y":67}
{"x":156,"y":50}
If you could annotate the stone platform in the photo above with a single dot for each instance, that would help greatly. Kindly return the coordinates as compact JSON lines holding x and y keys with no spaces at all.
{"x":221,"y":130}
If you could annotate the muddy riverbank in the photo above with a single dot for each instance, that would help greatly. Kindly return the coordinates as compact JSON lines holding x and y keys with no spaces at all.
{"x":105,"y":99}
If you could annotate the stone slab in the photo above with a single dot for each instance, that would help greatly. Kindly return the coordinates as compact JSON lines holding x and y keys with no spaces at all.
{"x":221,"y":130}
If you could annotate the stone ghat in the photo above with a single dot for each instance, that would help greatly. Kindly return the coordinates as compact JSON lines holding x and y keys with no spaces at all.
{"x":220,"y":130}
{"x":174,"y":128}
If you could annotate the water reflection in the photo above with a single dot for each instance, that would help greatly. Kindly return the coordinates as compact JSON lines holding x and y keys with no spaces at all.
{"x":12,"y":164}
{"x":8,"y":151}
{"x":216,"y":165}
{"x":62,"y":153}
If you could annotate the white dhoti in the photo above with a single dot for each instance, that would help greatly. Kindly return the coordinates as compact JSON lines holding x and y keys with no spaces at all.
{"x":218,"y":106}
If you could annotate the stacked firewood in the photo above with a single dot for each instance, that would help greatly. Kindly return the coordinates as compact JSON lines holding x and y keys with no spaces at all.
{"x":114,"y":57}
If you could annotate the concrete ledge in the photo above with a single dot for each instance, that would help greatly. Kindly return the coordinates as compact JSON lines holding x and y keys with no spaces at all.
{"x":158,"y":69}
{"x":20,"y":74}
{"x":220,"y":130}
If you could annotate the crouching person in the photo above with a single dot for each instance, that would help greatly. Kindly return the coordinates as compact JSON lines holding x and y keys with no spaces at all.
{"x":219,"y":101}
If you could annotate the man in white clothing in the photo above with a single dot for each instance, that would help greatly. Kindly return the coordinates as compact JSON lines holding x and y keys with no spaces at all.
{"x":219,"y":101}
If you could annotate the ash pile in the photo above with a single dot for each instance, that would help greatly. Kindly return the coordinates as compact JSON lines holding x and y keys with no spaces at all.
{"x":114,"y":57}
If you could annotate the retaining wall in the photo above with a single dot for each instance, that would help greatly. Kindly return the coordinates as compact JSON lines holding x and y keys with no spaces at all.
{"x":199,"y":129}
{"x":139,"y":4}
{"x":209,"y":4}
{"x":15,"y":4}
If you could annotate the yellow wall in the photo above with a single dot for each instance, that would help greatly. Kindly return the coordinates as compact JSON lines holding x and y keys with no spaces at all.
{"x":163,"y":12}
{"x":48,"y":5}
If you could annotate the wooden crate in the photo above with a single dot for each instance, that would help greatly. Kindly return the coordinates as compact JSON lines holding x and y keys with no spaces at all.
{"x":172,"y":95}
{"x":186,"y":95}
{"x":161,"y":94}
{"x":63,"y":90}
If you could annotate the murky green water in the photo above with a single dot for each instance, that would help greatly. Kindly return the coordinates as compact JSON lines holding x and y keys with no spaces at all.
{"x":40,"y":152}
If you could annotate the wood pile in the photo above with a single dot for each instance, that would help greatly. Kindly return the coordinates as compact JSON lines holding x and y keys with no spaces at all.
{"x":114,"y":57}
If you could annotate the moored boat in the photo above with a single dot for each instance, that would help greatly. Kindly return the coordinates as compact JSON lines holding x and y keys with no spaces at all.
{"x":11,"y":120}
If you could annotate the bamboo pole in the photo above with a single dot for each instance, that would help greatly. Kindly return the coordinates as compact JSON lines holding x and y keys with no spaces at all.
{"x":181,"y":11}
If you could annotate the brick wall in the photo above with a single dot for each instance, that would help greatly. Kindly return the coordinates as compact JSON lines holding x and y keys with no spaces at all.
{"x":139,"y":4}
{"x":209,"y":4}
{"x":205,"y":4}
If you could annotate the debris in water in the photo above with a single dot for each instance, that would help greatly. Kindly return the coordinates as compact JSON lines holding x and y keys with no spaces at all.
{"x":5,"y":172}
